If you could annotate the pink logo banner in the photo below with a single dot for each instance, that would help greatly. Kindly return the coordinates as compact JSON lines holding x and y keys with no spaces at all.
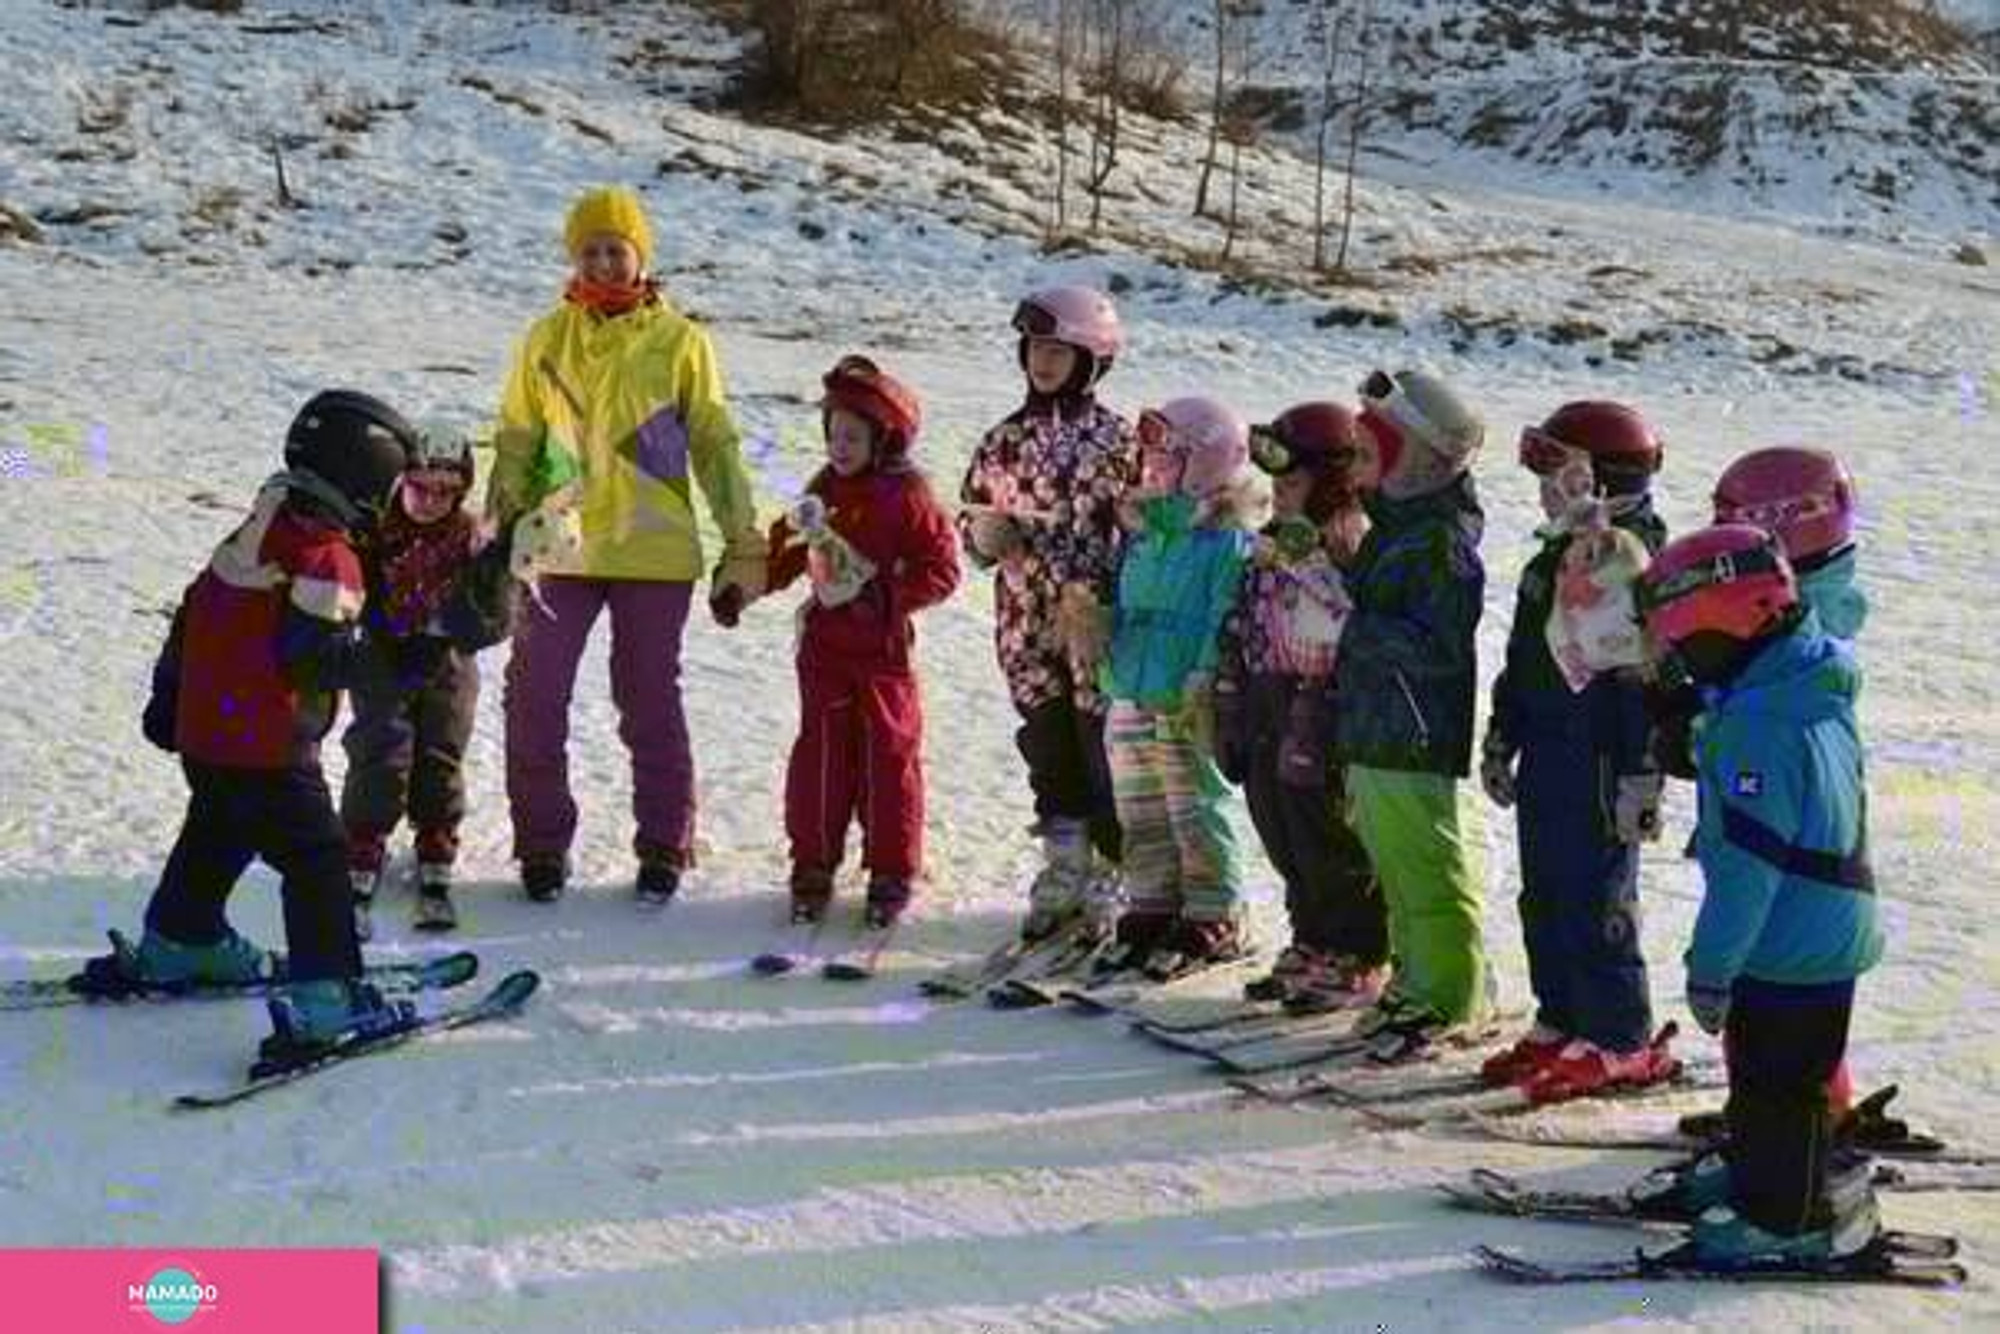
{"x":203,"y":1292}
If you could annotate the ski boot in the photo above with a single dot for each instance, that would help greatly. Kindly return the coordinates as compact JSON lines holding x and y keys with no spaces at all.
{"x":311,"y":1018}
{"x":1582,"y":1069}
{"x":434,"y":907}
{"x":1533,"y":1051}
{"x":888,"y":899}
{"x":1331,"y":983}
{"x":1138,"y":935}
{"x":1725,"y":1239}
{"x":1194,"y":944}
{"x":659,"y":877}
{"x":364,"y":883}
{"x":161,"y":964}
{"x":1058,"y":892}
{"x":812,"y":895}
{"x":1294,"y":962}
{"x":1682,"y":1192}
{"x":544,"y":876}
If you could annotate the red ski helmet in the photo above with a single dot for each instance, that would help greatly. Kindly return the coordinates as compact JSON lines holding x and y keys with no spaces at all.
{"x":1803,"y":496}
{"x":1318,"y":438}
{"x":1729,"y":579}
{"x":1616,"y":438}
{"x":860,"y":386}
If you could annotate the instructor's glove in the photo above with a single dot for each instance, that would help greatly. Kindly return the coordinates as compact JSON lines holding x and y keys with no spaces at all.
{"x":1496,"y":769}
{"x":1637,"y":811}
{"x":726,"y":605}
{"x":1709,"y":1004}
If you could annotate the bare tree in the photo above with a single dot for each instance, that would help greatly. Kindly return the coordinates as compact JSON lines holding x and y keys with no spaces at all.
{"x":1218,"y":90}
{"x":1239,"y":128}
{"x":1324,"y":32}
{"x":1058,"y":209}
{"x":1110,"y":28}
{"x":1357,"y":113}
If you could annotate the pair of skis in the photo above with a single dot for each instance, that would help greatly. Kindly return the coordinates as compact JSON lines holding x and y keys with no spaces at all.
{"x":1895,"y":1257}
{"x":502,"y":1002}
{"x":399,"y":977}
{"x":437,"y":973}
{"x":1397,"y":1099}
{"x":1866,"y":1128}
{"x":1014,"y":957}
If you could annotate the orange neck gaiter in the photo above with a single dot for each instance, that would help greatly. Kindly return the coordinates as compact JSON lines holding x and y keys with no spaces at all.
{"x":610,"y":300}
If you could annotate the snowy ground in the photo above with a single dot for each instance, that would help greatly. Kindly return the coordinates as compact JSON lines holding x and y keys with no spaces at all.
{"x":662,"y":1143}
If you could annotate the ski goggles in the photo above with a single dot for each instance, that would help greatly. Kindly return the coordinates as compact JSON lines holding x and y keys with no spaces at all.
{"x":1543,"y":454}
{"x":1036,"y":321}
{"x":1157,"y":433}
{"x":1270,"y":452}
{"x":1384,"y":396}
{"x":1777,"y":516}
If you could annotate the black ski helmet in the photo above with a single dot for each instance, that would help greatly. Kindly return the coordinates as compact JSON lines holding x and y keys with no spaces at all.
{"x":355,"y":443}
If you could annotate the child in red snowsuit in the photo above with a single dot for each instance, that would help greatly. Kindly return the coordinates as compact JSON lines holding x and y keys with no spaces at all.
{"x":878,"y":549}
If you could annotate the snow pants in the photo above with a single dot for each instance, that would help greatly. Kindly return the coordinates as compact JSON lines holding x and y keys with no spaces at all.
{"x":1784,"y":1043}
{"x":858,"y":757}
{"x":648,"y":620}
{"x":406,"y":754}
{"x":1068,"y":770}
{"x":1331,"y":894}
{"x":285,"y":817}
{"x":1180,"y":855}
{"x":1410,"y":824}
{"x":1579,"y":884}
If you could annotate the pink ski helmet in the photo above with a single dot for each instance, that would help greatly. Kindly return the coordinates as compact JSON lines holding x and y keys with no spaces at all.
{"x":1731,"y":579}
{"x":1803,"y":496}
{"x":1083,"y":317}
{"x":1212,"y":439}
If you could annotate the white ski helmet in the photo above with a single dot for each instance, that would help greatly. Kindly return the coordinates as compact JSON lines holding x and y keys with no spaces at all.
{"x":444,"y":445}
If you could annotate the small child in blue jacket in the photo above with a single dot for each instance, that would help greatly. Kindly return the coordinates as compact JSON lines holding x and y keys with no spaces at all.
{"x":1788,"y":920}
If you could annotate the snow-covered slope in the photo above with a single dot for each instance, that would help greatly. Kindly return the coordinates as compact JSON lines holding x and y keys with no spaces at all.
{"x":660,"y":1143}
{"x":1837,"y":114}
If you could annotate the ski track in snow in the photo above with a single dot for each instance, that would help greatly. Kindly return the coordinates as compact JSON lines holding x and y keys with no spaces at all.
{"x":660,"y":1141}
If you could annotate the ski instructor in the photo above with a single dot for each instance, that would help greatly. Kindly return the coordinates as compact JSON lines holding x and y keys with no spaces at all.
{"x":613,"y":412}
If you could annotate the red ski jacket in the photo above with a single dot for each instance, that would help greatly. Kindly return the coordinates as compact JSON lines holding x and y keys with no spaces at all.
{"x":252,"y":662}
{"x":893,"y":520}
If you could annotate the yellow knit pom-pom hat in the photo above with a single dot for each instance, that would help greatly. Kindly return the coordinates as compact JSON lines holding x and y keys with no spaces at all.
{"x":614,"y":210}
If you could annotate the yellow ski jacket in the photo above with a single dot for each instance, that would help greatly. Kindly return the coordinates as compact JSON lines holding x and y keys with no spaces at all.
{"x":629,"y":409}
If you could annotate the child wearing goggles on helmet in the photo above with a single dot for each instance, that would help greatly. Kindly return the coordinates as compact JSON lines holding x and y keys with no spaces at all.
{"x":433,"y":602}
{"x":1040,"y":504}
{"x":877,"y":548}
{"x":1806,"y":498}
{"x":1568,"y":747}
{"x":1404,"y":684}
{"x":1788,"y":917}
{"x":1273,"y":714}
{"x":1177,"y":581}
